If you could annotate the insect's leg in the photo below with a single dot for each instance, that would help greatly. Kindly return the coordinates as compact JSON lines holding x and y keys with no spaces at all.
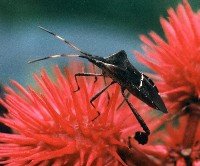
{"x":95,"y":77}
{"x":83,"y":74}
{"x":104,"y":79}
{"x":97,"y":95}
{"x":100,"y":92}
{"x":140,"y":136}
{"x":127,"y":96}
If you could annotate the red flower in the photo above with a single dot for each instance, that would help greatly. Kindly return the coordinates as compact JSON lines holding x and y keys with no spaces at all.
{"x":177,"y":64}
{"x":176,"y":60}
{"x":56,"y":126}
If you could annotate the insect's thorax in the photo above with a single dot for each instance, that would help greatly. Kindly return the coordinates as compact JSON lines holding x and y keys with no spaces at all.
{"x":124,"y":74}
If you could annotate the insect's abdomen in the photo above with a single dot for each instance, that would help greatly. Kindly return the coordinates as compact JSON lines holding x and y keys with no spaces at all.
{"x":149,"y":95}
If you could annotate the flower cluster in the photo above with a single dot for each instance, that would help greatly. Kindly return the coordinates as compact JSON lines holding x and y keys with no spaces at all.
{"x":57,"y":126}
{"x":176,"y":61}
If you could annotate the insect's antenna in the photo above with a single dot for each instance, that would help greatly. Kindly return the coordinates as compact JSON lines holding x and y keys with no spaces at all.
{"x":63,"y":40}
{"x":54,"y":56}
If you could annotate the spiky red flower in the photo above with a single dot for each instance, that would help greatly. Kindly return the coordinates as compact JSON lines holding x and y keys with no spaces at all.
{"x":56,"y":126}
{"x":176,"y":63}
{"x":176,"y":60}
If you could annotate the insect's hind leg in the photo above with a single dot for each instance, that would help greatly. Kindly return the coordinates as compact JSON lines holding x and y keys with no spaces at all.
{"x":140,"y":136}
{"x":84,"y":74}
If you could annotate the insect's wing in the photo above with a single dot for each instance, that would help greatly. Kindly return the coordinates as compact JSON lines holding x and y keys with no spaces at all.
{"x":144,"y":88}
{"x":151,"y":91}
{"x":151,"y":83}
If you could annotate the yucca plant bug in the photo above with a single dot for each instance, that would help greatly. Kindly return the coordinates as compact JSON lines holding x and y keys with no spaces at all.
{"x":122,"y":72}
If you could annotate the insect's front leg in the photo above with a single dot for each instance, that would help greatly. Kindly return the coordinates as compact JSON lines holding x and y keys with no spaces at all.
{"x":100,"y":92}
{"x":140,"y":136}
{"x":85,"y":74}
{"x":97,"y":95}
{"x":105,"y":83}
{"x":121,"y":104}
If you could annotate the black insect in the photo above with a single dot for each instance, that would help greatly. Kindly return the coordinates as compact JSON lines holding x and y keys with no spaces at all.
{"x":122,"y":72}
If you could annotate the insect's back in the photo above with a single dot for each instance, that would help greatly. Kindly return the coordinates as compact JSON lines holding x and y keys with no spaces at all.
{"x":138,"y":84}
{"x":144,"y":89}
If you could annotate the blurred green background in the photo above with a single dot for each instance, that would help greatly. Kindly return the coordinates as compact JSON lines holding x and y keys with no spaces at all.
{"x":100,"y":27}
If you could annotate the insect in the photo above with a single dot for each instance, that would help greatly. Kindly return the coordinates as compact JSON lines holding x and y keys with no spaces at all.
{"x":122,"y":72}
